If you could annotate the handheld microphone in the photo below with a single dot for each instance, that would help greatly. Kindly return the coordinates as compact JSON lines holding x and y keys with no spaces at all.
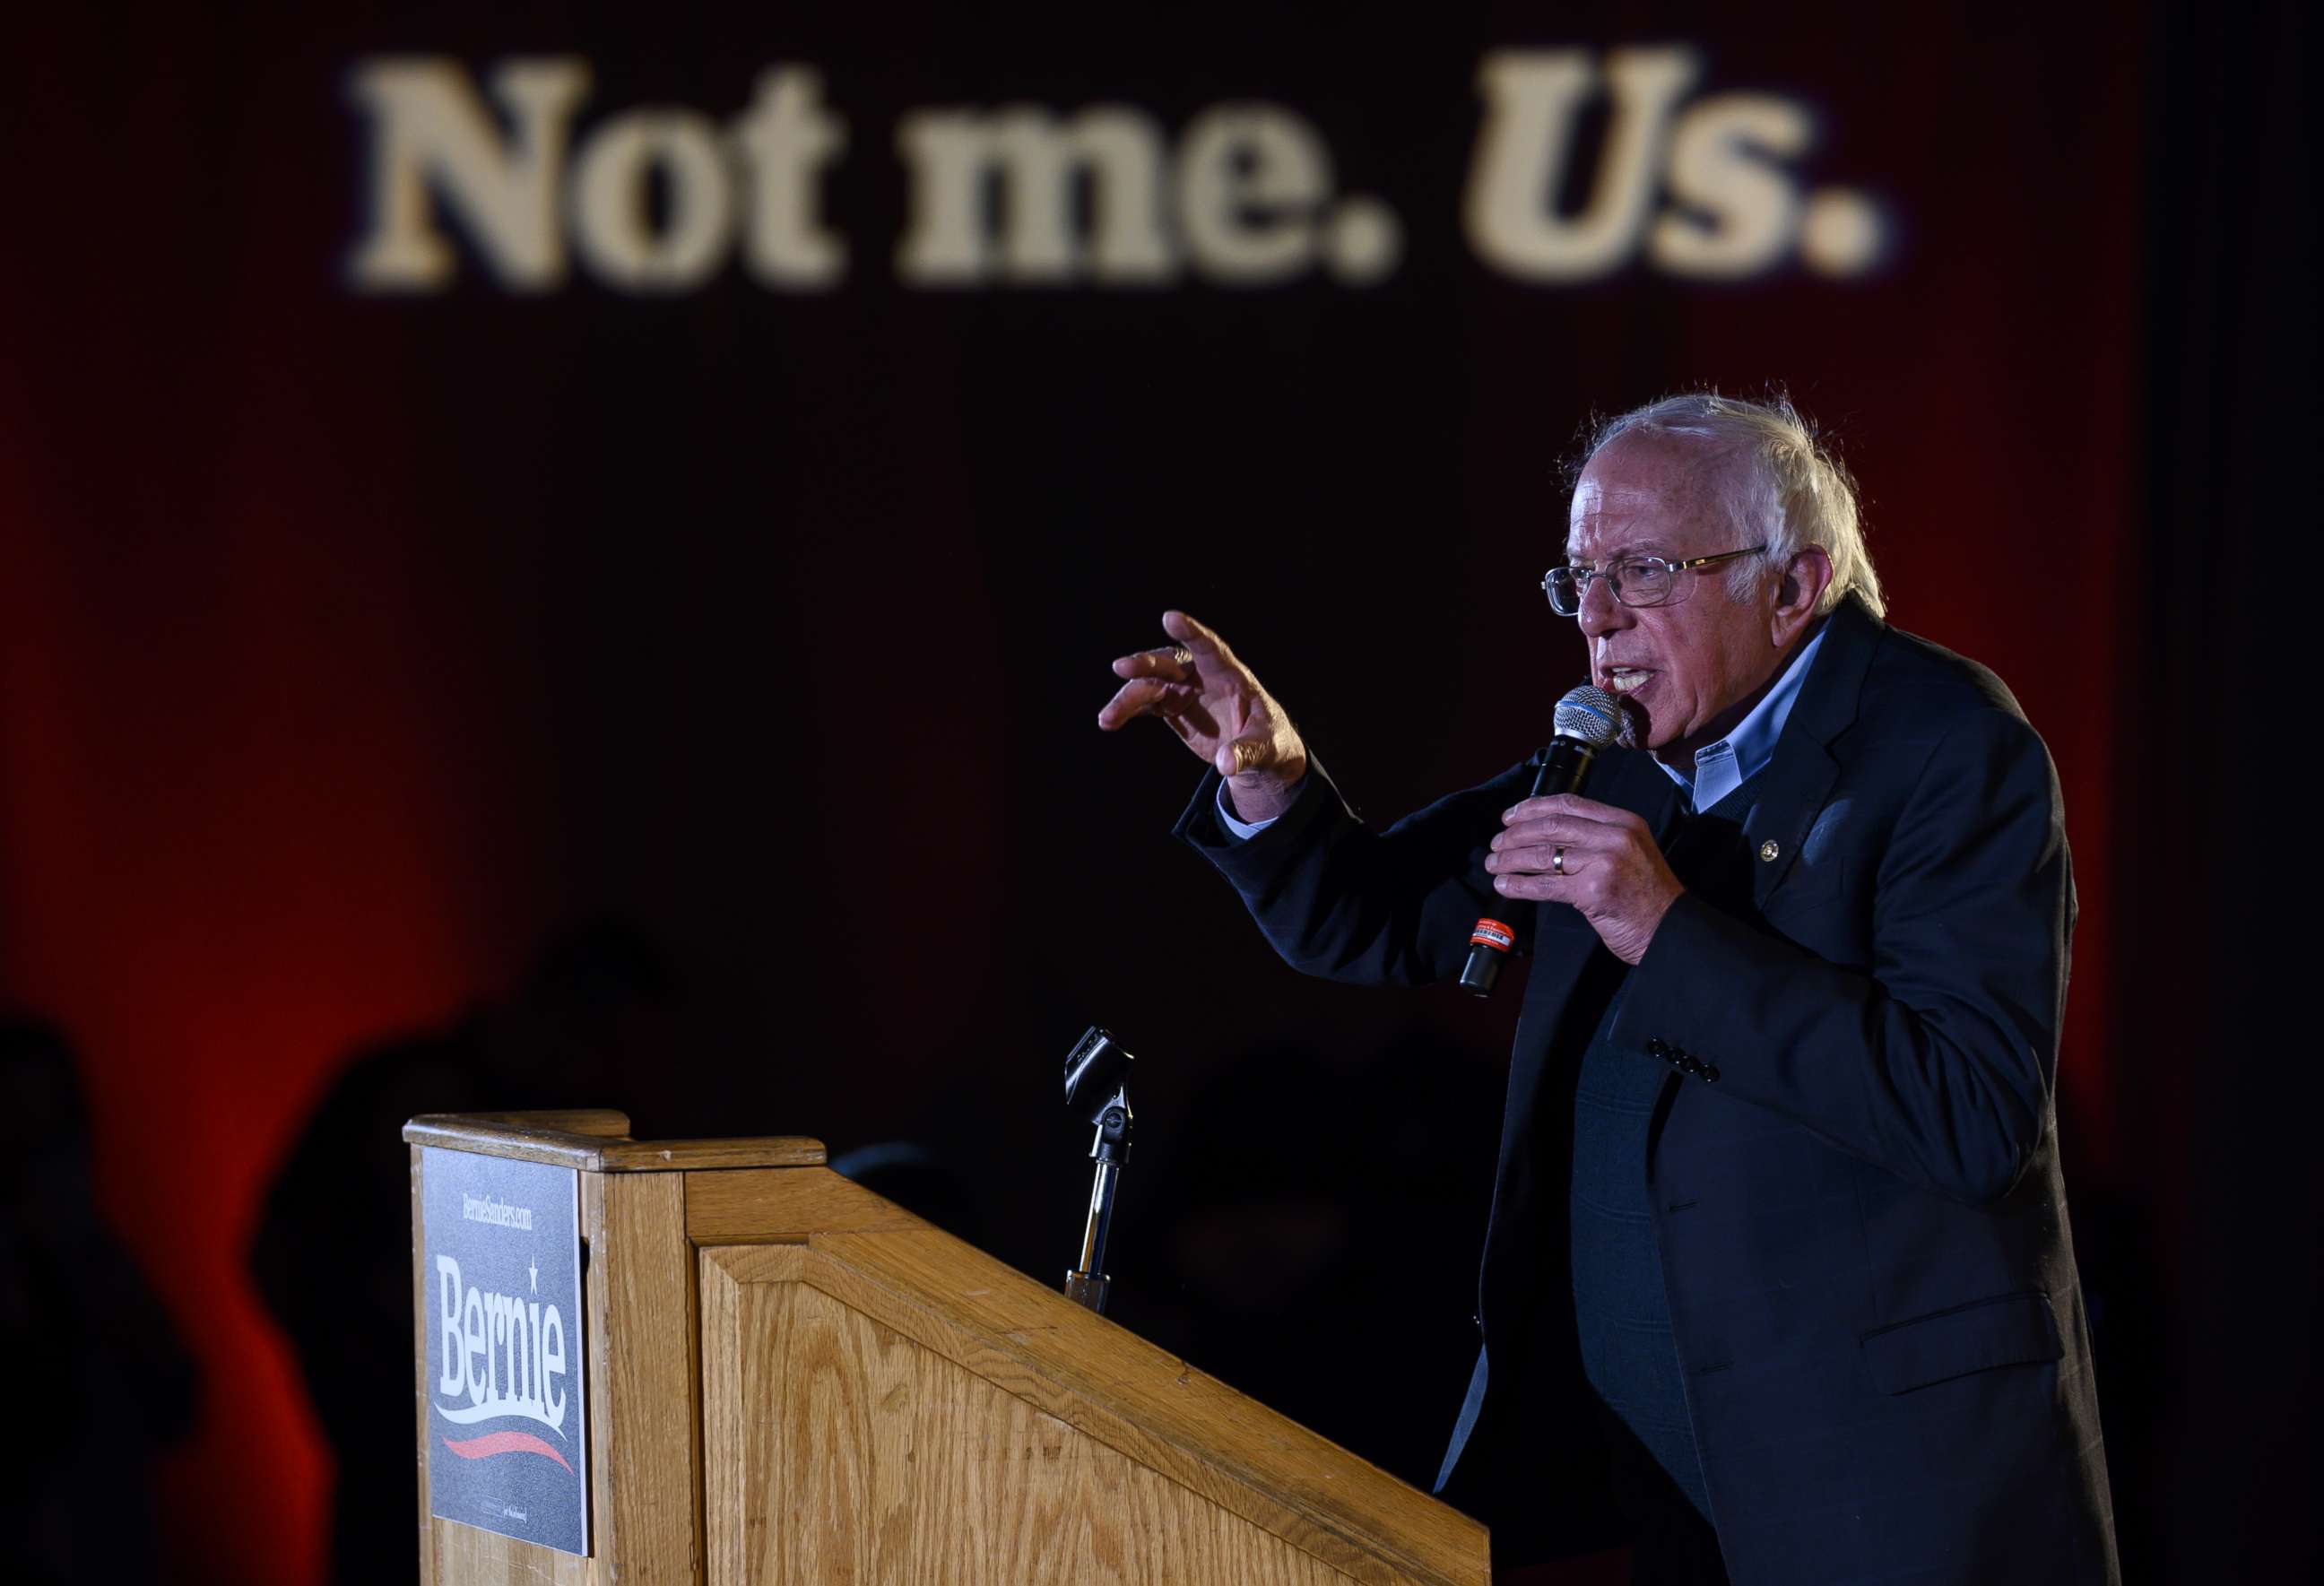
{"x":1587,"y":720}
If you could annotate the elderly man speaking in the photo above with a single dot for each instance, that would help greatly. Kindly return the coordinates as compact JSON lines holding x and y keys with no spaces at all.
{"x":1778,"y":1235}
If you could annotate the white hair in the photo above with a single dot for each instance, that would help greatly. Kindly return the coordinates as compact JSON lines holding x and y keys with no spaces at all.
{"x":1793,"y":491}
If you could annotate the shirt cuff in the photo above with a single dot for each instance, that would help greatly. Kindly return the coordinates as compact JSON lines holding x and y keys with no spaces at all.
{"x":1242,"y":830}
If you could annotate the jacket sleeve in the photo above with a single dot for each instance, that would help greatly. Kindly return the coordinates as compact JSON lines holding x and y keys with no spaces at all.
{"x":1938,"y":1065}
{"x":1339,"y":899}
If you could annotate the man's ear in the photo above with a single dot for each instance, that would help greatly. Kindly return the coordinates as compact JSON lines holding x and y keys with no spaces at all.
{"x":1804,"y":579}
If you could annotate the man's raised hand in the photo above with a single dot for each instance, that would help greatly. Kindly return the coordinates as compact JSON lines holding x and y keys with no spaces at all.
{"x":1212,"y":701}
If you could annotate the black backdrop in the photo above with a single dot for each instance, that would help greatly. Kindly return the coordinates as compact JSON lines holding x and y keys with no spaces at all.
{"x":690,"y":695}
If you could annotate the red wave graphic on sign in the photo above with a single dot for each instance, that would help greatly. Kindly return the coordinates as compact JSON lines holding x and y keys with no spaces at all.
{"x":501,"y":1442}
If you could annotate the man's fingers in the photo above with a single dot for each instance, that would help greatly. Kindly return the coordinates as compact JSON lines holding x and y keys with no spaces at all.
{"x":1141,"y":696}
{"x":1170,"y":662}
{"x":1569,"y":804}
{"x":1204,"y":644}
{"x":1538,"y":888}
{"x":1573,"y":830}
{"x":1542,"y":859}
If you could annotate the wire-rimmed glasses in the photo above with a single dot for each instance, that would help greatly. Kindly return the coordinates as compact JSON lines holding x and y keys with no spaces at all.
{"x":1634,"y":581}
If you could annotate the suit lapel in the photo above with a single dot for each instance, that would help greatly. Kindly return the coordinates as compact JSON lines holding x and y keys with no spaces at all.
{"x":1802,"y":769}
{"x":1633,"y":781}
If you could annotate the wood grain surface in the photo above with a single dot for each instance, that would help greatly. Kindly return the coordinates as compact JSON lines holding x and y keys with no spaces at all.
{"x":864,"y":1457}
{"x":585,"y":1141}
{"x":740,"y":1208}
{"x":641,"y":1351}
{"x":924,"y":1414}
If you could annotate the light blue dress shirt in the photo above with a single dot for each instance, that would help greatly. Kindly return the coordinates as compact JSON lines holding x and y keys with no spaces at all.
{"x":1723,"y":767}
{"x":1719,"y":768}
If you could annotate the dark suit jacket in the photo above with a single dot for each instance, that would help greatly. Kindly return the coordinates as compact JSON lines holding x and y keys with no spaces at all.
{"x":1855,"y":1173}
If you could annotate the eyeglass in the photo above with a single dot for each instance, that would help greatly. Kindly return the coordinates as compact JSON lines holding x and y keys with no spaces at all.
{"x":1634,"y":581}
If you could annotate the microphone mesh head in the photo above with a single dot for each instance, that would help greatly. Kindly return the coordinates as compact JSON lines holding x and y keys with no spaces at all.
{"x":1590,"y":714}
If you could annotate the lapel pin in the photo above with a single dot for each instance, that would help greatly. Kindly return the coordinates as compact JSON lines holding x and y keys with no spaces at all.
{"x":1769,"y":849}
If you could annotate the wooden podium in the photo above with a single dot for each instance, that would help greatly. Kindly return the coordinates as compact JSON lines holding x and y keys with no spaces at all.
{"x":792,"y":1380}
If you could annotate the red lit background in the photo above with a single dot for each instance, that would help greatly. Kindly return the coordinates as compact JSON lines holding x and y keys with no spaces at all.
{"x":351,"y":647}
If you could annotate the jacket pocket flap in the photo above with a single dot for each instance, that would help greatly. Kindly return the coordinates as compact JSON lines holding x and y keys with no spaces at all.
{"x":2009,"y":1330}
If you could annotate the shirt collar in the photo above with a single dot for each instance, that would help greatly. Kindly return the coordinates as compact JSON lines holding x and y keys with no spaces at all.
{"x":1723,"y":767}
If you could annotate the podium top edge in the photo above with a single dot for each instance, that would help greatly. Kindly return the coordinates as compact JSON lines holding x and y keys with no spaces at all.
{"x":597,"y":1141}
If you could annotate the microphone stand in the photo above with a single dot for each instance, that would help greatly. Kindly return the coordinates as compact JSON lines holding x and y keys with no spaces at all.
{"x":1096,"y":1067}
{"x":1088,"y":1283}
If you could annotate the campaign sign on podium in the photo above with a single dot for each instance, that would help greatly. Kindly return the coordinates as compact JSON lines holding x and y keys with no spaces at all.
{"x":501,"y":1262}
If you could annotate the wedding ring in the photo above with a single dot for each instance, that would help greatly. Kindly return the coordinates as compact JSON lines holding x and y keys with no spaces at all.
{"x":1183,"y":656}
{"x":1557,"y":861}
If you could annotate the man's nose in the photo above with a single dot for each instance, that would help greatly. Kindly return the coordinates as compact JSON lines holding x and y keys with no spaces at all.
{"x":1601,"y":613}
